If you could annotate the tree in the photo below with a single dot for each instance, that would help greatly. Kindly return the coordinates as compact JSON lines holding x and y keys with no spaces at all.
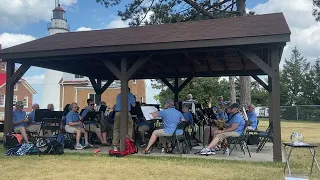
{"x":312,"y":84}
{"x":293,"y":78}
{"x":205,"y":90}
{"x":316,"y":9}
{"x":172,"y":11}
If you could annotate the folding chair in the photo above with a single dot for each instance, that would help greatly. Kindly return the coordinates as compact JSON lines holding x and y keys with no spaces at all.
{"x":180,"y":140}
{"x":265,"y":136}
{"x":241,"y":141}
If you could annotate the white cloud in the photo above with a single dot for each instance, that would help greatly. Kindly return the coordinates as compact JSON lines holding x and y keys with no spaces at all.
{"x":117,"y":23}
{"x":305,"y":31}
{"x":35,"y":79}
{"x":15,"y":14}
{"x":84,"y":29}
{"x":8,"y":39}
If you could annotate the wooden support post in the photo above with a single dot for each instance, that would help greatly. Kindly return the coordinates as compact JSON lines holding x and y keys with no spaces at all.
{"x":10,"y":82}
{"x":98,"y":93}
{"x":124,"y":75}
{"x":275,"y":104}
{"x":124,"y":103}
{"x":176,"y":89}
{"x":256,"y":59}
{"x":263,"y":84}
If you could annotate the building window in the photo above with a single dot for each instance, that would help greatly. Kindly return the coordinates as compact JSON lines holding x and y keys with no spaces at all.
{"x":92,"y":96}
{"x":134,"y":81}
{"x":15,"y":99}
{"x":2,"y":100}
{"x":77,"y":76}
{"x":25,"y":101}
{"x":141,"y":99}
{"x":15,"y":87}
{"x":4,"y":66}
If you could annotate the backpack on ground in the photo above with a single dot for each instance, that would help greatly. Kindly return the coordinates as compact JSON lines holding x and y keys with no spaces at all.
{"x":11,"y":141}
{"x":130,"y":149}
{"x":253,"y":140}
{"x":54,"y":147}
{"x":61,"y":139}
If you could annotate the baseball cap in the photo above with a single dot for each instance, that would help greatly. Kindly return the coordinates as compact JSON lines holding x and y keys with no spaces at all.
{"x":19,"y":103}
{"x":235,"y":105}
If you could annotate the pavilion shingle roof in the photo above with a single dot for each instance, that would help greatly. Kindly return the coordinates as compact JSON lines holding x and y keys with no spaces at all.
{"x":247,"y":26}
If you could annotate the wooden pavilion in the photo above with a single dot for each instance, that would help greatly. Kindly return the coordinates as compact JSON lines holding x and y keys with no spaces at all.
{"x":239,"y":46}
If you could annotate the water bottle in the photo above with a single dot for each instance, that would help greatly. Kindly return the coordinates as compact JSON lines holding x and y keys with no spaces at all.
{"x":82,"y":141}
{"x":162,"y":151}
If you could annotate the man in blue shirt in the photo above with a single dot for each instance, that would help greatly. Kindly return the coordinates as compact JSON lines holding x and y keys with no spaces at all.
{"x":171,"y":118}
{"x":33,"y":126}
{"x":252,"y":117}
{"x":92,"y":126}
{"x":20,"y":121}
{"x":187,"y":115}
{"x":116,"y":126}
{"x":235,"y":128}
{"x":74,"y":125}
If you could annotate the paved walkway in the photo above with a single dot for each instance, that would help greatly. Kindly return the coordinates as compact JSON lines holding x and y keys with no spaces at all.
{"x":264,"y":156}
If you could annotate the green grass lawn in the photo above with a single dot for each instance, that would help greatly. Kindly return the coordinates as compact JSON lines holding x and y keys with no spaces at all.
{"x":89,"y":166}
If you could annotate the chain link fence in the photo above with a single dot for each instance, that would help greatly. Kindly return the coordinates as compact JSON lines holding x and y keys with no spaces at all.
{"x":294,"y":113}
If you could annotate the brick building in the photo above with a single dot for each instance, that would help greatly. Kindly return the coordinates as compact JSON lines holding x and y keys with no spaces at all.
{"x":76,"y":88}
{"x":22,"y":91}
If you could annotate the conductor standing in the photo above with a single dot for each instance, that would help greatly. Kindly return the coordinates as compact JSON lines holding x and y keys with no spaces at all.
{"x":116,"y":128}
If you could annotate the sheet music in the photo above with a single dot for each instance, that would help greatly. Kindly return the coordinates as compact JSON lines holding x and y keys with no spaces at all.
{"x":147,"y":110}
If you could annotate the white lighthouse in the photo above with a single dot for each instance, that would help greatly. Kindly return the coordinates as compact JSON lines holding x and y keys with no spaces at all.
{"x":51,"y":87}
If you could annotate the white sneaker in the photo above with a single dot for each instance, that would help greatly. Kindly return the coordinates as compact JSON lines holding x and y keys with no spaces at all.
{"x":206,"y":151}
{"x":88,"y":145}
{"x":115,"y":148}
{"x":78,"y":147}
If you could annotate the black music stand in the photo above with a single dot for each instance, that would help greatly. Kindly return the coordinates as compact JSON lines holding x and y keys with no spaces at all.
{"x":210,"y":122}
{"x":89,"y":118}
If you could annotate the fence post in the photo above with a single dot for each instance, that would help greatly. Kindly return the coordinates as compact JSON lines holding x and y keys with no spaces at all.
{"x":297,"y":113}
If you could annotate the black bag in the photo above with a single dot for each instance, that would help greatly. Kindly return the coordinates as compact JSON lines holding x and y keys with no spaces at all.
{"x":69,"y":144}
{"x":54,"y":147}
{"x":253,"y":140}
{"x":12,"y":140}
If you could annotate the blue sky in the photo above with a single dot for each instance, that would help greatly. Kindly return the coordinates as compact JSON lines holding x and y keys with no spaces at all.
{"x":22,"y":21}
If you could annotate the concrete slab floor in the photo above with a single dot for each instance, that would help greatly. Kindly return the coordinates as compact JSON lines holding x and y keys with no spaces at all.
{"x":266,"y":155}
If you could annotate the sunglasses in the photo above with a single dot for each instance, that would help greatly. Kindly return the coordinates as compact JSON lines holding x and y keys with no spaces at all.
{"x":91,"y":104}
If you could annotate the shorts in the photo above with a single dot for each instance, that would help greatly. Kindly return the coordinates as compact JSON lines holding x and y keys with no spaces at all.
{"x":225,"y":135}
{"x":34,"y":128}
{"x":160,"y":133}
{"x":92,"y":128}
{"x":18,"y":129}
{"x":72,"y":129}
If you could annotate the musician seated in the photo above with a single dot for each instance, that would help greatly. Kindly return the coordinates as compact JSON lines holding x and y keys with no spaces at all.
{"x":171,"y":118}
{"x":143,"y":127}
{"x":221,"y":116}
{"x":74,"y":125}
{"x":66,"y":110}
{"x":252,"y":117}
{"x":220,"y":113}
{"x":187,"y":115}
{"x":92,"y":126}
{"x":33,"y":126}
{"x":235,"y":128}
{"x":20,"y":121}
